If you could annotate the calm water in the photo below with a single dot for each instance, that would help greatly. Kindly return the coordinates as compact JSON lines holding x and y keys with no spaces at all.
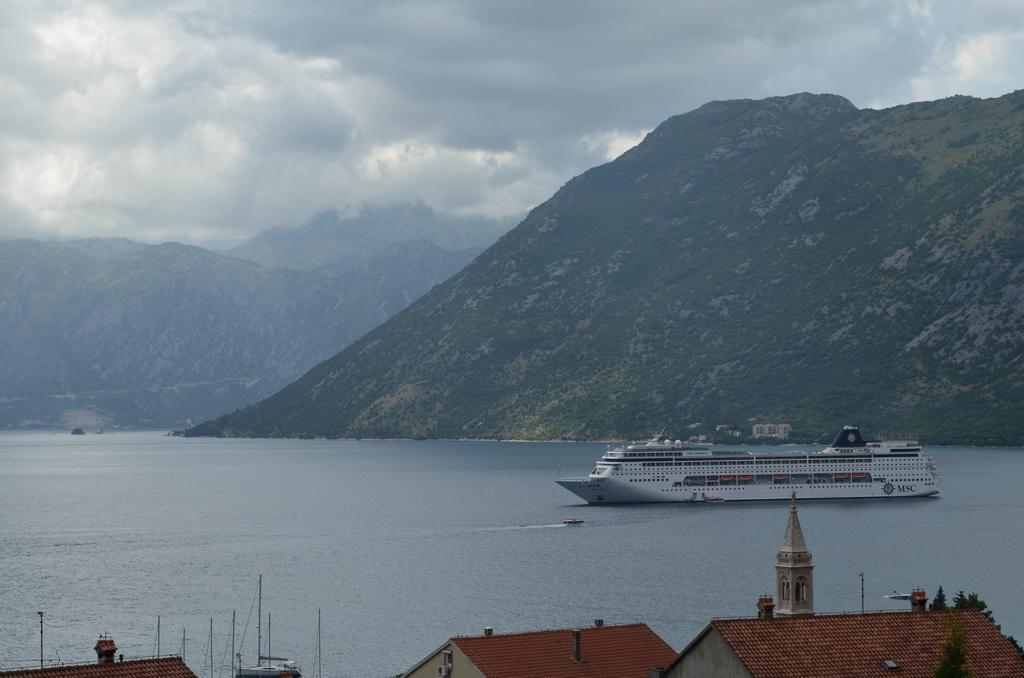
{"x":403,"y":544}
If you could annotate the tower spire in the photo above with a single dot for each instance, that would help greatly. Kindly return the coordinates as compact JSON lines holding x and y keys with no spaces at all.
{"x":794,"y":540}
{"x":794,"y":571}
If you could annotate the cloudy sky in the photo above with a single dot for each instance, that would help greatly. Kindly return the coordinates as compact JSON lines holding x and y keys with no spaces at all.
{"x":206,"y":122}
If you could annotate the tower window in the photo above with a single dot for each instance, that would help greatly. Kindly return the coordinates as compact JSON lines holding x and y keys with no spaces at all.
{"x":801,"y":590}
{"x":785,"y":589}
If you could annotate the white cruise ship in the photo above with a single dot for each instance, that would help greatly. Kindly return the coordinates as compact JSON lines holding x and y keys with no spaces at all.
{"x":849,"y":468}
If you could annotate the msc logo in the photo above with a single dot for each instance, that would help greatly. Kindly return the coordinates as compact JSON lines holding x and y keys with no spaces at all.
{"x":889,"y":488}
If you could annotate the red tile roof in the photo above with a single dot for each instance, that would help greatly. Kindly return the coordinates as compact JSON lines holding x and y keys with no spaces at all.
{"x":165,"y":667}
{"x":620,"y":651}
{"x":855,"y":645}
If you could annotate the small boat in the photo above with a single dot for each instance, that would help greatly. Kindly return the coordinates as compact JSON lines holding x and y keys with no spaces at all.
{"x":78,"y":431}
{"x":267,"y":665}
{"x":271,"y":667}
{"x":573,"y":521}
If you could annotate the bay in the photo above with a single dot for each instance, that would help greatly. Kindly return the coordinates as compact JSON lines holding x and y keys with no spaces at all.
{"x":403,"y":544}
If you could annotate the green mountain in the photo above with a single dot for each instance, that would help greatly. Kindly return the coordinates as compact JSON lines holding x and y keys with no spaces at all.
{"x":792,"y":259}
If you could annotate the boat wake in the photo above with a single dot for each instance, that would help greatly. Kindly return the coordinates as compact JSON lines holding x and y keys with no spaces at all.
{"x":509,"y":528}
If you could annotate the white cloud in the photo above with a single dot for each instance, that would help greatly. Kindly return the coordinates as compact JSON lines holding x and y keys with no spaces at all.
{"x":982,"y":64}
{"x":197,"y":121}
{"x":146,"y":129}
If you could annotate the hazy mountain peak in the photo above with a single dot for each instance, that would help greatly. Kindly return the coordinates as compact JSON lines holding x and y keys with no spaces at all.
{"x":334,"y":238}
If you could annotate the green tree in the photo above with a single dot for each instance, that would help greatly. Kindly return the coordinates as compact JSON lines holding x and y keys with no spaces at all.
{"x":971,"y":601}
{"x":953,"y":658}
{"x":939,"y":601}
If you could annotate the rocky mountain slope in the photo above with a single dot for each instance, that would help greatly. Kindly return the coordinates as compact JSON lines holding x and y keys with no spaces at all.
{"x":113,"y":332}
{"x":790,"y":259}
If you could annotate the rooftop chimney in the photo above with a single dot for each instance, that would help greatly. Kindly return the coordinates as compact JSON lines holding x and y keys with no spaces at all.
{"x":105,"y":648}
{"x":919,"y":601}
{"x":576,"y":651}
{"x":765,"y":607}
{"x":488,"y":630}
{"x":598,"y":622}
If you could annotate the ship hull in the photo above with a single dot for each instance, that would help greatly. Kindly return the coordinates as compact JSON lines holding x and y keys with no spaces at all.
{"x":613,"y":491}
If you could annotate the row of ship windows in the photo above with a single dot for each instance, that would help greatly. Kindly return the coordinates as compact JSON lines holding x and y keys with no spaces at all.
{"x":744,"y":471}
{"x":649,"y":464}
{"x":779,"y":479}
{"x":674,"y":488}
{"x":758,"y":462}
{"x":786,"y":487}
{"x":772,"y":479}
{"x":679,"y":487}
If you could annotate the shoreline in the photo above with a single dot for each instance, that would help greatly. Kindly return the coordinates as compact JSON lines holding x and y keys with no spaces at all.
{"x":603,"y":441}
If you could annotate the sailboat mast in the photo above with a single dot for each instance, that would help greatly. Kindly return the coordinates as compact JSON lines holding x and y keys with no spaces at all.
{"x":231,"y":659}
{"x":211,"y":647}
{"x":268,"y":639}
{"x":319,"y":648}
{"x":259,"y":618}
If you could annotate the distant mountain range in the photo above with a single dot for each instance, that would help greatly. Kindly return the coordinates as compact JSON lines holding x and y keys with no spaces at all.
{"x":331,"y":239}
{"x":791,"y":259}
{"x":110,"y":332}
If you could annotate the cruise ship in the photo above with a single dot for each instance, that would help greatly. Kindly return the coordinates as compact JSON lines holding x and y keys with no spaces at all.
{"x":849,"y":468}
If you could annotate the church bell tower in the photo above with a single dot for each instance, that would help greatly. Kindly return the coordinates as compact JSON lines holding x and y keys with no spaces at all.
{"x":794,"y":576}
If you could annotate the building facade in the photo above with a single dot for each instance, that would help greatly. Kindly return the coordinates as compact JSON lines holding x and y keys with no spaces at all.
{"x":794,"y":642}
{"x":794,"y":572}
{"x":614,"y":651}
{"x":780,"y":431}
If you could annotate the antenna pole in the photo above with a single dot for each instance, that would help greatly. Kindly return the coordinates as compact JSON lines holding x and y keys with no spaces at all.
{"x":182,"y":643}
{"x":259,"y":620}
{"x":40,"y":639}
{"x":158,"y":635}
{"x":862,"y":593}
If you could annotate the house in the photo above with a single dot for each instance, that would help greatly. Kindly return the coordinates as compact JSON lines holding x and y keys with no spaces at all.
{"x":780,"y":431}
{"x":795,"y":642}
{"x":901,"y":644}
{"x":107,"y":667}
{"x":599,"y":651}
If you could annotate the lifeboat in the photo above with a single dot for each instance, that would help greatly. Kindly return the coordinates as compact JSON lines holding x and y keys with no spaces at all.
{"x":727,"y":479}
{"x":781,"y":476}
